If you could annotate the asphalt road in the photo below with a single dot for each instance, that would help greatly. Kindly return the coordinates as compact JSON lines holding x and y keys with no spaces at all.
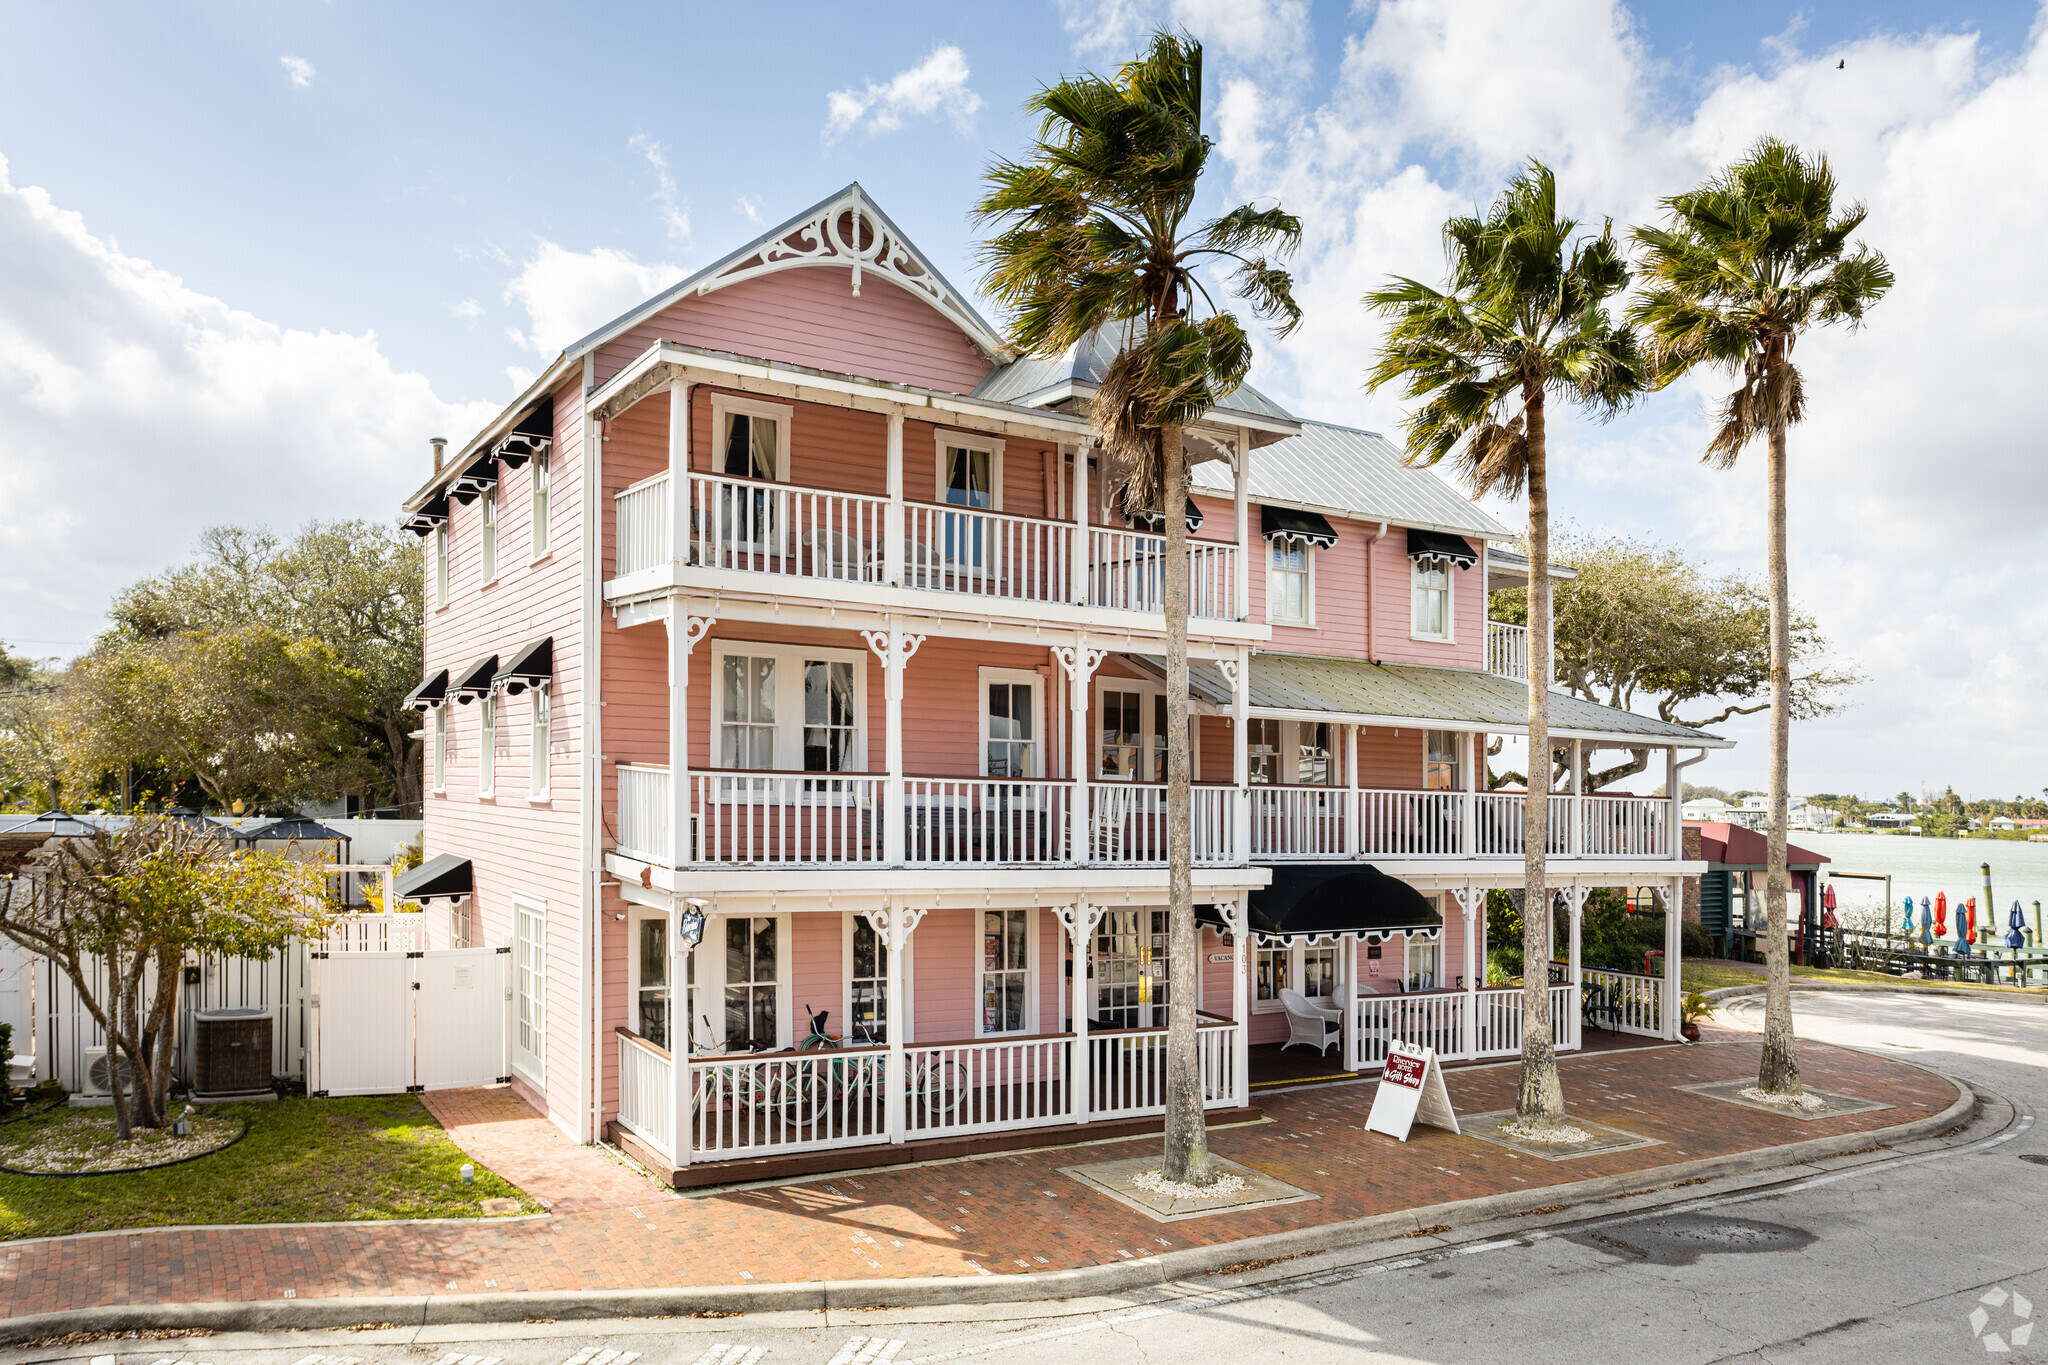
{"x":1885,"y":1262}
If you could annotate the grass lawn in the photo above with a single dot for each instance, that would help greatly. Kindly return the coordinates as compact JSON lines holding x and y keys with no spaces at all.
{"x":303,"y":1161}
{"x":1712,"y":976}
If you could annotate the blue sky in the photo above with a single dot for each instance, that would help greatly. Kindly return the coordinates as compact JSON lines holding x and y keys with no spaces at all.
{"x":324,"y":232}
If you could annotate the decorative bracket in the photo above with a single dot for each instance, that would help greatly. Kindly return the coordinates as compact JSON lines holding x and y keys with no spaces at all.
{"x":893,"y":648}
{"x":1232,"y":912}
{"x":1079,"y":661}
{"x":1079,"y":920}
{"x":894,"y":923}
{"x":1470,"y":900}
{"x":695,"y":628}
{"x":1230,"y":671}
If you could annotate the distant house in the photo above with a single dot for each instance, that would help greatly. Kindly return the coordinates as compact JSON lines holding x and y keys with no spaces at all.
{"x":1893,"y":819}
{"x":1704,"y":809}
{"x":1732,"y":889}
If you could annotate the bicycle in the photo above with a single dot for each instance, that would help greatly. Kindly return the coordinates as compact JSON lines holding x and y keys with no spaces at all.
{"x":741,"y":1084}
{"x":935,"y":1082}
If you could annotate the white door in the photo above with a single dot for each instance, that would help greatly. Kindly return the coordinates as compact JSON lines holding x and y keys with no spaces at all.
{"x":365,"y":1007}
{"x":460,"y":1026}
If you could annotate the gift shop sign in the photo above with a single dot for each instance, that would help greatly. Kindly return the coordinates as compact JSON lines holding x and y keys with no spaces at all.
{"x":1411,"y":1091}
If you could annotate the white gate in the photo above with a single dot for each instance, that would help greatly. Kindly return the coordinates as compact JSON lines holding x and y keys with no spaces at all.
{"x":17,"y":995}
{"x":395,"y":1021}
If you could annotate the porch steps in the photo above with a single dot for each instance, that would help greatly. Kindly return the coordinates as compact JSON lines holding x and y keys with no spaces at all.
{"x":701,"y":1174}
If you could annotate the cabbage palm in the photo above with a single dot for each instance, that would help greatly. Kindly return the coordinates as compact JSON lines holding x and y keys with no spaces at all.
{"x":1092,"y":232}
{"x":1751,"y":260}
{"x":1524,"y":319}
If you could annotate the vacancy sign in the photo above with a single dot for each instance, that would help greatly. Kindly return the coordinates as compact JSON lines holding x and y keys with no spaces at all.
{"x":1411,"y":1091}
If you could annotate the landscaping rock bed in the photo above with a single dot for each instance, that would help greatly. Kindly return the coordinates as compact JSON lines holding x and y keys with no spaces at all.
{"x":83,"y":1143}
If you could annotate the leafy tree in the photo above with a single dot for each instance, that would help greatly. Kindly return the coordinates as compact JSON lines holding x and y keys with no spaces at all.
{"x":1691,"y":792}
{"x":1093,"y":233}
{"x":1644,"y":624}
{"x":1750,"y":262}
{"x":31,"y":761}
{"x":136,"y":901}
{"x":246,"y":713}
{"x":354,"y":586}
{"x":1524,"y":319}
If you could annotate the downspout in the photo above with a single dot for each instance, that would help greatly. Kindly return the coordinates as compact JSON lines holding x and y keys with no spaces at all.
{"x":1371,"y":641}
{"x":592,"y":861}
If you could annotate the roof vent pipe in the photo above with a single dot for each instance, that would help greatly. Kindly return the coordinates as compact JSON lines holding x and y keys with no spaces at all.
{"x":440,"y":445}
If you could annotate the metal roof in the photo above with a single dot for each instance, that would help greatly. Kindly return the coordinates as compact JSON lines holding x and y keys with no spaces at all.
{"x":1032,"y":380}
{"x":1446,"y":698}
{"x":1354,"y":474}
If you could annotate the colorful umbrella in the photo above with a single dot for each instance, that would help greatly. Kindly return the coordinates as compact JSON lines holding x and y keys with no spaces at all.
{"x":2016,"y":927}
{"x":1941,"y":914}
{"x":1967,"y":930}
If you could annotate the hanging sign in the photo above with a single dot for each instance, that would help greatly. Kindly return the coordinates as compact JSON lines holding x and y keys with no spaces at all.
{"x":1411,"y":1090}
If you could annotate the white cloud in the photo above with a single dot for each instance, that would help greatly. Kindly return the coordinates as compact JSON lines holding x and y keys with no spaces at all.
{"x":936,"y":85}
{"x":469,"y":310}
{"x":297,"y":70}
{"x":1917,"y":479}
{"x":1254,"y":32}
{"x":674,"y":219}
{"x":136,"y":411}
{"x":569,"y":294}
{"x":750,"y":205}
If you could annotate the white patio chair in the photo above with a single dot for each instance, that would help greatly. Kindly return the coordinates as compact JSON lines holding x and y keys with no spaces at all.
{"x":836,"y":555}
{"x":1311,"y":1025}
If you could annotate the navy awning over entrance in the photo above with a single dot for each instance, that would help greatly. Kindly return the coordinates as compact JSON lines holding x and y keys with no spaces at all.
{"x":1308,"y":899}
{"x":442,"y":877}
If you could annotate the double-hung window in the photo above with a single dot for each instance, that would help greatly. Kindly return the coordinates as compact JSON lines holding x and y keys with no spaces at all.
{"x":753,"y":979}
{"x":746,"y":731}
{"x":540,"y":478}
{"x":440,"y":566}
{"x":1005,"y":971}
{"x":789,"y":708}
{"x":1440,"y":764}
{"x":1293,"y":752}
{"x":1010,"y":724}
{"x":750,"y":441}
{"x":970,"y":475}
{"x":1421,"y":964}
{"x":487,"y":747}
{"x":1262,"y":741}
{"x":1133,"y":739}
{"x":1293,"y":966}
{"x":867,"y":986}
{"x":1290,"y":599}
{"x":830,"y":720}
{"x":490,"y":533}
{"x":441,"y":748}
{"x":650,"y":979}
{"x":1431,"y":618}
{"x":1315,"y":761}
{"x":537,"y":776}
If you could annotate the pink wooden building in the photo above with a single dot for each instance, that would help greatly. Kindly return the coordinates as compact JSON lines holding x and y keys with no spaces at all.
{"x":787,"y":659}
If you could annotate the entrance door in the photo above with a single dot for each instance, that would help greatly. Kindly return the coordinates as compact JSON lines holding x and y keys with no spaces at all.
{"x":1130,"y":969}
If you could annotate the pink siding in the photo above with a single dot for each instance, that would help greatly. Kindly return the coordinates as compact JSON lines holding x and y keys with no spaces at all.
{"x":1390,"y":758}
{"x":817,"y":971}
{"x":1393,"y":607}
{"x":945,"y":958}
{"x":810,"y":317}
{"x":521,"y":847}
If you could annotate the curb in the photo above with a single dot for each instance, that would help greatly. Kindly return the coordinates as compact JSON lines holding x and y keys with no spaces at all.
{"x":1144,"y":1273}
{"x":1720,"y":993}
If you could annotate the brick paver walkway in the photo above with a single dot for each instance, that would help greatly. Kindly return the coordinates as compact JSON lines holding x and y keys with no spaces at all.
{"x":1002,"y":1215}
{"x":507,"y":1135}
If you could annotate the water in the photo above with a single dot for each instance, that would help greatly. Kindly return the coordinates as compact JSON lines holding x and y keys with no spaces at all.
{"x":1921,"y":867}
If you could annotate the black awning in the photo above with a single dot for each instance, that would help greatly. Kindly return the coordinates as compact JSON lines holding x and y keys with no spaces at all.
{"x":481,"y":474}
{"x":474,"y":681}
{"x":1436,"y":545}
{"x":533,"y":666}
{"x":433,"y":512}
{"x":531,"y":435}
{"x":443,"y":876}
{"x":1154,"y":523}
{"x":1276,"y":523}
{"x":1338,"y":898}
{"x":428,"y":695}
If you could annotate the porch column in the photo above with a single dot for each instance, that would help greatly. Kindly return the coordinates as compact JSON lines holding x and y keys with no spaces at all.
{"x":1079,"y":662}
{"x":1475,"y":762}
{"x":682,"y":1093}
{"x":1238,"y":673}
{"x":1079,"y":920}
{"x":1241,"y":992}
{"x":1674,"y":813}
{"x":892,"y":518}
{"x":1575,"y":972}
{"x":1081,"y":590}
{"x":1354,"y":803}
{"x":894,"y":648}
{"x":1674,"y":952}
{"x":1241,"y":468}
{"x":1471,"y":907}
{"x":1347,"y":992}
{"x":679,"y":471}
{"x":684,"y":631}
{"x":1578,"y":820}
{"x":892,"y":925}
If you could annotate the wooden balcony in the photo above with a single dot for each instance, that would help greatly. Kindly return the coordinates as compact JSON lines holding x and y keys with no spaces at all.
{"x":1316,"y":824}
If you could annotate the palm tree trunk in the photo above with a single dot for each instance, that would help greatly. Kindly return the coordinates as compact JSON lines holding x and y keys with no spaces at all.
{"x":1778,"y":1073}
{"x":1541,"y":1096}
{"x":1187,"y":1139}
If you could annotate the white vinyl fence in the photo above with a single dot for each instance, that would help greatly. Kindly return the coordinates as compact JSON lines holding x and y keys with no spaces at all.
{"x":387,"y":1022}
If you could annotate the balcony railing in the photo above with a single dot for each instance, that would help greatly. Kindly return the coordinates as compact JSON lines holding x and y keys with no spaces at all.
{"x":1437,"y":1019}
{"x":1507,"y":650}
{"x":1305,"y":824}
{"x":778,"y":529}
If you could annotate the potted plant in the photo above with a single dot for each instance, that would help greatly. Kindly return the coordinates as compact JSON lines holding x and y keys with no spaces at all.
{"x":1693,"y":1008}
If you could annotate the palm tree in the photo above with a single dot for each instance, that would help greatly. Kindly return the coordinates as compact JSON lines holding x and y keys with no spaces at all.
{"x":1750,"y":261}
{"x":1524,"y":318}
{"x":1093,"y":233}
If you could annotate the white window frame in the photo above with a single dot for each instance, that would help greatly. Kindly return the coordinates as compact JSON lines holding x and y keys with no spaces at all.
{"x":440,"y":754}
{"x":789,"y":698}
{"x":1410,"y":943}
{"x":1031,"y":966}
{"x":709,"y":984}
{"x":992,"y":446}
{"x":1296,"y":954}
{"x":1287,"y":760}
{"x":488,"y":521}
{"x":540,"y":729}
{"x":1147,"y":727}
{"x":540,"y":502}
{"x":441,"y":554}
{"x":908,"y":1012}
{"x":1307,"y":619}
{"x":1019,"y":676}
{"x":642,"y":915}
{"x":1450,"y":635}
{"x":724,"y":405}
{"x":1460,"y":749}
{"x":530,"y":962}
{"x":487,"y":745}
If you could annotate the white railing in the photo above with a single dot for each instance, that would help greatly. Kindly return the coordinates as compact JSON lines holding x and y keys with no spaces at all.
{"x":643,"y":812}
{"x":788,"y":1101}
{"x":1301,"y":822}
{"x":1127,"y":1069}
{"x":778,"y":528}
{"x":404,"y":931}
{"x":948,"y":821}
{"x":988,"y":1087}
{"x":1127,"y":823}
{"x":1625,"y":827}
{"x":1218,"y":1043}
{"x":1437,"y":1019}
{"x":1411,"y":824}
{"x":643,"y":535}
{"x":1127,"y":573}
{"x":952,"y":549}
{"x":809,"y":819}
{"x":647,"y":1097}
{"x":1628,"y":1002}
{"x":1507,"y":650}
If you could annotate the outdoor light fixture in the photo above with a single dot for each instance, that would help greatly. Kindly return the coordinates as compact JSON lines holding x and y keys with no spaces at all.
{"x":690,"y":927}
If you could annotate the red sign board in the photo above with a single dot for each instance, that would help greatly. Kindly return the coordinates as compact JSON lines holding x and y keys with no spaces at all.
{"x":1404,"y":1069}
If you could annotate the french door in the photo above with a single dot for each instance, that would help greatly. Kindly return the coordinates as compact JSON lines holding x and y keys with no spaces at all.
{"x":1131,"y":988}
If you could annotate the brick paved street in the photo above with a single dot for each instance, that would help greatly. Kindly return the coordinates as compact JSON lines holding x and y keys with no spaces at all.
{"x":1001,"y":1215}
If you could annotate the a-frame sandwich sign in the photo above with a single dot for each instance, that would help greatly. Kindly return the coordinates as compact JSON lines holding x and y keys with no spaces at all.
{"x":1411,"y":1091}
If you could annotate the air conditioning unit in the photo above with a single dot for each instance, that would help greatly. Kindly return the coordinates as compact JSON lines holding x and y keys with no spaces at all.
{"x":98,"y":1077}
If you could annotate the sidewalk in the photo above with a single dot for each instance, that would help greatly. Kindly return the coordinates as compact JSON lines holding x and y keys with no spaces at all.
{"x":1002,"y":1215}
